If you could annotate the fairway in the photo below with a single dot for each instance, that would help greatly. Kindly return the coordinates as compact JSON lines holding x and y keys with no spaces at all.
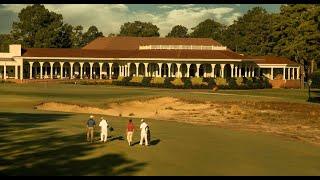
{"x":37,"y":142}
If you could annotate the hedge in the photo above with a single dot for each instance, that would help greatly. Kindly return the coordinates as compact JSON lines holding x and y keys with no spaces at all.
{"x":194,"y":83}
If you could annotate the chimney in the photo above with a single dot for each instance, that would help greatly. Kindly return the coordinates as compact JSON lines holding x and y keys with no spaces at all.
{"x":15,"y":49}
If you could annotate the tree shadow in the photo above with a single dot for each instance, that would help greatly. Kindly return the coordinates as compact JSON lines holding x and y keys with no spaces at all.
{"x":29,"y":148}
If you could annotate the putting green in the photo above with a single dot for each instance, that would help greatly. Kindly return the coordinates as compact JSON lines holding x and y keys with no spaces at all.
{"x":51,"y":143}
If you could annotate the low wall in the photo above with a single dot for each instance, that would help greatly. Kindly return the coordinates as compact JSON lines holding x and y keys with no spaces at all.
{"x":279,"y":83}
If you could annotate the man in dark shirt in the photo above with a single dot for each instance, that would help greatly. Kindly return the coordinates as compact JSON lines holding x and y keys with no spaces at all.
{"x":91,"y":123}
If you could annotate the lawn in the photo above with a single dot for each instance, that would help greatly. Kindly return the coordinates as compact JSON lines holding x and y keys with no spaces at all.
{"x":37,"y":142}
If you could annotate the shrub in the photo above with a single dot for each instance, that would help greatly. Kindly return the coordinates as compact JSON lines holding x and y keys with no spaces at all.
{"x":136,"y":80}
{"x":167,"y":82}
{"x":177,"y":82}
{"x":146,"y":81}
{"x":232,"y":83}
{"x":239,"y":81}
{"x":187,"y":83}
{"x":221,"y":82}
{"x":157,"y":80}
{"x":196,"y":81}
{"x":249,"y":83}
{"x":211,"y":83}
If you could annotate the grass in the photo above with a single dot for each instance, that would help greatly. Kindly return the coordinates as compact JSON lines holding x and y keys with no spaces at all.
{"x":49,"y":143}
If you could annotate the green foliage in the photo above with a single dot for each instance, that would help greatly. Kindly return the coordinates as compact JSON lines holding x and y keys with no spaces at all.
{"x":136,"y":79}
{"x":90,"y":35}
{"x":315,"y":77}
{"x":146,"y":81}
{"x":250,"y":33}
{"x":178,"y":31}
{"x":157,"y":80}
{"x":196,"y":81}
{"x":208,"y":29}
{"x":239,"y":81}
{"x":221,"y":81}
{"x":5,"y":41}
{"x":177,"y":82}
{"x":187,"y":83}
{"x":139,"y":29}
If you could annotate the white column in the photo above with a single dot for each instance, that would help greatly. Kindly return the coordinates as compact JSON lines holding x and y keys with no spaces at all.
{"x":41,"y":70}
{"x":81,"y":70}
{"x":137,"y":69}
{"x":160,"y":65}
{"x":289,"y":73}
{"x":51,"y":70}
{"x":240,"y":69}
{"x":236,"y":71}
{"x":21,"y":71}
{"x":284,"y":73}
{"x":245,"y":71}
{"x":188,"y":70}
{"x":91,"y":66}
{"x":100,"y":65}
{"x":71,"y":70}
{"x":16,"y":72}
{"x":298,"y":73}
{"x":213,"y":66}
{"x":146,"y":69}
{"x":178,"y":72}
{"x":169,"y":69}
{"x":232,"y":69}
{"x":61,"y":69}
{"x":198,"y":69}
{"x":293,"y":74}
{"x":126,"y":70}
{"x":110,"y":69}
{"x":31,"y":64}
{"x":253,"y":71}
{"x":271,"y":73}
{"x":4,"y":71}
{"x":222,"y":70}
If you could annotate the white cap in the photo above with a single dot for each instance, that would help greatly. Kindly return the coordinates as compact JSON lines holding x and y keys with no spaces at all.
{"x":91,"y":116}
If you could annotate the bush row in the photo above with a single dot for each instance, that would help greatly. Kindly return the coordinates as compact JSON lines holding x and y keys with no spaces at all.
{"x":194,"y":83}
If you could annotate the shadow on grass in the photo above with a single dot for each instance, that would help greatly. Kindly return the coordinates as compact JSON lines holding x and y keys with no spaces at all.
{"x":152,"y":143}
{"x":28,"y":148}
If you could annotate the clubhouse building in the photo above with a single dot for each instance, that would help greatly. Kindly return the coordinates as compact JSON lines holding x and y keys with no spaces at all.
{"x":110,"y":57}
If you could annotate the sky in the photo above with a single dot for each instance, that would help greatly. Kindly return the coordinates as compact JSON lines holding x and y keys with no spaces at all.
{"x":109,"y":17}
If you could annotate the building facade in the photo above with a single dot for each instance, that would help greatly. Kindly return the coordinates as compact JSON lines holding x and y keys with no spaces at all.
{"x":111,"y":57}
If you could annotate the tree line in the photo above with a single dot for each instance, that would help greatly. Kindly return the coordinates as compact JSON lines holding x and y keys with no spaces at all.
{"x":294,"y":32}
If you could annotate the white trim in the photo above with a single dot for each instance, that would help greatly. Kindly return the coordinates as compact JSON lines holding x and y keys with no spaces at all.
{"x":148,"y":59}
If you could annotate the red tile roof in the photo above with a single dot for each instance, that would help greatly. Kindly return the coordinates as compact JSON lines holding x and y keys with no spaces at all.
{"x":272,"y":60}
{"x":179,"y":54}
{"x":133,"y":43}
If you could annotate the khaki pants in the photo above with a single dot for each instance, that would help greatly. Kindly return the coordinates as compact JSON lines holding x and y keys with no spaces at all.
{"x":144,"y":138}
{"x":104,"y":135}
{"x":90,"y":134}
{"x":129,"y":137}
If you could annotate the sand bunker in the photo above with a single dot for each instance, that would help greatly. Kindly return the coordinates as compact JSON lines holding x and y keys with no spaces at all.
{"x":159,"y":108}
{"x":271,"y":117}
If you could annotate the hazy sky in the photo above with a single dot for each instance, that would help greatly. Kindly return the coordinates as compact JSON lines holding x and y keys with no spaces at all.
{"x":109,"y":17}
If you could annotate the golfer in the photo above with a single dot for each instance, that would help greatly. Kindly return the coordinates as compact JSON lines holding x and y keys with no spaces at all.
{"x":104,"y":130}
{"x":130,"y":130}
{"x":91,"y":123}
{"x":144,"y":130}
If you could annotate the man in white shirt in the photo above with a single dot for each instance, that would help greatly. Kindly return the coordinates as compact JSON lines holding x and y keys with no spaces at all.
{"x":104,"y":130}
{"x":144,"y":136}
